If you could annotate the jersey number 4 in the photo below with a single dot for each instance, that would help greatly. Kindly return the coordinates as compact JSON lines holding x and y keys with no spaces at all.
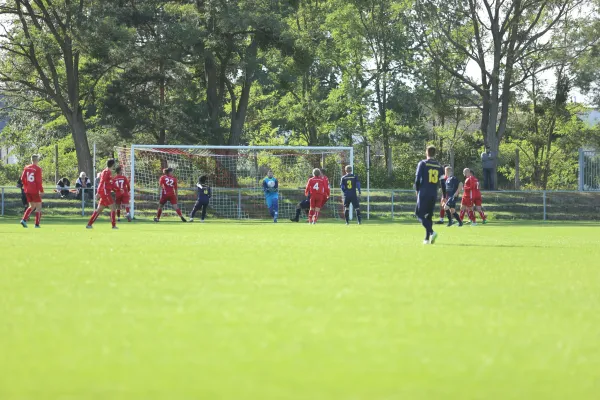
{"x":30,"y":177}
{"x":316,"y":187}
{"x":434,"y":176}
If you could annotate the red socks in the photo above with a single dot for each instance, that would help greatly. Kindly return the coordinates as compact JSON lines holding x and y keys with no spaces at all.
{"x":93,"y":218}
{"x":482,"y":215}
{"x":178,"y":211}
{"x":472,"y":216}
{"x":113,"y":218}
{"x":462,"y":214}
{"x":442,"y":213}
{"x":119,"y":213}
{"x":316,"y":217}
{"x":27,"y":213}
{"x":159,"y":213}
{"x":38,"y":217}
{"x":311,"y":214}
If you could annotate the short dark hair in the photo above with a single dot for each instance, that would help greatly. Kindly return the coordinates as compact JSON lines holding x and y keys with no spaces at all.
{"x":167,"y":170}
{"x":118,"y":169}
{"x":202,"y":179}
{"x":65,"y":179}
{"x":110,"y":162}
{"x":431,"y":151}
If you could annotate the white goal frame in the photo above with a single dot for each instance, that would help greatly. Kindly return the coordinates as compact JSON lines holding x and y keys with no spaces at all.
{"x":135,"y":147}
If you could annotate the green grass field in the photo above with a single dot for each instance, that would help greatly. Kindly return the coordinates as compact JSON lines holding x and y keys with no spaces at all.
{"x":290,"y":311}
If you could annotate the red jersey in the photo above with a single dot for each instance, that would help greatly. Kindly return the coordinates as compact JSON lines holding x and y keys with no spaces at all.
{"x":105,"y":186}
{"x":316,"y":186}
{"x":32,"y":179}
{"x":121,"y":183}
{"x":471,"y":188}
{"x":168,"y":185}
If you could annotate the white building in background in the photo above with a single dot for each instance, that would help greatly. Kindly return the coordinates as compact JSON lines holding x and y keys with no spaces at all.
{"x":5,"y":155}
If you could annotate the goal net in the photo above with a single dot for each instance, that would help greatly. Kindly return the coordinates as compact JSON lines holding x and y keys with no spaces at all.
{"x":235,"y":175}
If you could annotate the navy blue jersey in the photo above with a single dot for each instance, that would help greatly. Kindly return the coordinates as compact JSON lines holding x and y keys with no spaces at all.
{"x":428,"y":178}
{"x":204,"y":193}
{"x":350,"y":185}
{"x":452,"y":186}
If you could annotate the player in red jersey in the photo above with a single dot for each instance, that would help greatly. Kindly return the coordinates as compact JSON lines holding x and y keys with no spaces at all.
{"x":168,"y":192}
{"x":121,"y":183}
{"x":318,"y":190}
{"x":476,"y":197}
{"x":471,"y":197}
{"x":105,"y":189}
{"x":32,"y":186}
{"x":326,"y":179}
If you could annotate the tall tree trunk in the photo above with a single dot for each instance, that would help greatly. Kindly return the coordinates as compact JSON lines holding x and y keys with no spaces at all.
{"x":82,"y":148}
{"x":162,"y":131}
{"x":213,"y":101}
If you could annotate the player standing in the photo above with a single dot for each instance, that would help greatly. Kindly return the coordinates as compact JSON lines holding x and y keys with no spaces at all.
{"x":472,"y":187}
{"x":427,"y":180}
{"x":104,"y":192}
{"x":271,"y":190}
{"x":350,"y":185}
{"x":318,"y":190}
{"x":453,"y":187}
{"x":168,"y":192}
{"x":122,"y":197}
{"x":443,"y":200}
{"x":32,"y":186}
{"x":204,"y":195}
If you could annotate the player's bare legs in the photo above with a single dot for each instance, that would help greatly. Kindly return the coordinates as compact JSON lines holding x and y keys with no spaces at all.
{"x":316,"y":215}
{"x":178,"y":211}
{"x":95,"y":215}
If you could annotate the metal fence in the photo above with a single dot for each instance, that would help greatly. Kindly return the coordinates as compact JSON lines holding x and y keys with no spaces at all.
{"x":377,"y":204}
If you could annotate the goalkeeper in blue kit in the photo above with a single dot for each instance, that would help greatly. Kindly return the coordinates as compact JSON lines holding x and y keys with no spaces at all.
{"x":271,"y":190}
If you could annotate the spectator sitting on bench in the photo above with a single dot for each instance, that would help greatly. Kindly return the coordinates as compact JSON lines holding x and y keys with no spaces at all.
{"x":62,"y":186}
{"x":83,"y":182}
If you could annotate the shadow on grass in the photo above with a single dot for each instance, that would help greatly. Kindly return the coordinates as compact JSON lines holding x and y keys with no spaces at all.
{"x":494,"y":245}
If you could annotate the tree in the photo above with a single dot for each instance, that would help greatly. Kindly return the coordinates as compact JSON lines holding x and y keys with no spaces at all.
{"x":505,"y":41}
{"x":44,"y":52}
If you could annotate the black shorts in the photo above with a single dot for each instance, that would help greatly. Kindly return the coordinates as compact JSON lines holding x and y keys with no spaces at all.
{"x":200,"y":203}
{"x":425,"y":206}
{"x":304,"y":204}
{"x":451,"y":202}
{"x":351,"y":200}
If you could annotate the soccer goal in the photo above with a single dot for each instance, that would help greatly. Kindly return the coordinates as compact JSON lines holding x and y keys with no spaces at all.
{"x":235,"y":174}
{"x":589,"y":170}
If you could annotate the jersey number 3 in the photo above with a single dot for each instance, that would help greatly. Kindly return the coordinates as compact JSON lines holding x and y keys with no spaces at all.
{"x":434,"y":176}
{"x":349,"y":184}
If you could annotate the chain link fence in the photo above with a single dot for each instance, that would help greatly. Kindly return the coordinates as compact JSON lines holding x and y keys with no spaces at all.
{"x":378,"y":204}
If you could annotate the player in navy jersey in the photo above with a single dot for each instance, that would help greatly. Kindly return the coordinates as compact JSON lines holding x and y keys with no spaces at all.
{"x":427,"y":181}
{"x":453,"y":187}
{"x":350,"y":185}
{"x":204,"y":194}
{"x":303,"y":205}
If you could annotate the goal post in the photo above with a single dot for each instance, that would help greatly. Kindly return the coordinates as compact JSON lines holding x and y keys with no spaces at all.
{"x":235,"y":174}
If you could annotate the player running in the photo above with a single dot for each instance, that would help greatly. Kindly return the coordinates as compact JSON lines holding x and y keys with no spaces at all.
{"x":304,"y":205}
{"x":32,"y":186}
{"x":204,"y":194}
{"x":350,"y":185}
{"x":271,"y":190}
{"x":104,"y":192}
{"x":453,"y":187}
{"x":122,"y":197}
{"x":317,"y":189}
{"x":168,"y":192}
{"x":427,"y":180}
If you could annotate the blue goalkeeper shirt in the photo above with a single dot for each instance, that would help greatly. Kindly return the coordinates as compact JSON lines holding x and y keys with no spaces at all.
{"x":271,"y":191}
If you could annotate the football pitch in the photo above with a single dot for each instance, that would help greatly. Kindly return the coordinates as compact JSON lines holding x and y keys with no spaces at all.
{"x":255,"y":310}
